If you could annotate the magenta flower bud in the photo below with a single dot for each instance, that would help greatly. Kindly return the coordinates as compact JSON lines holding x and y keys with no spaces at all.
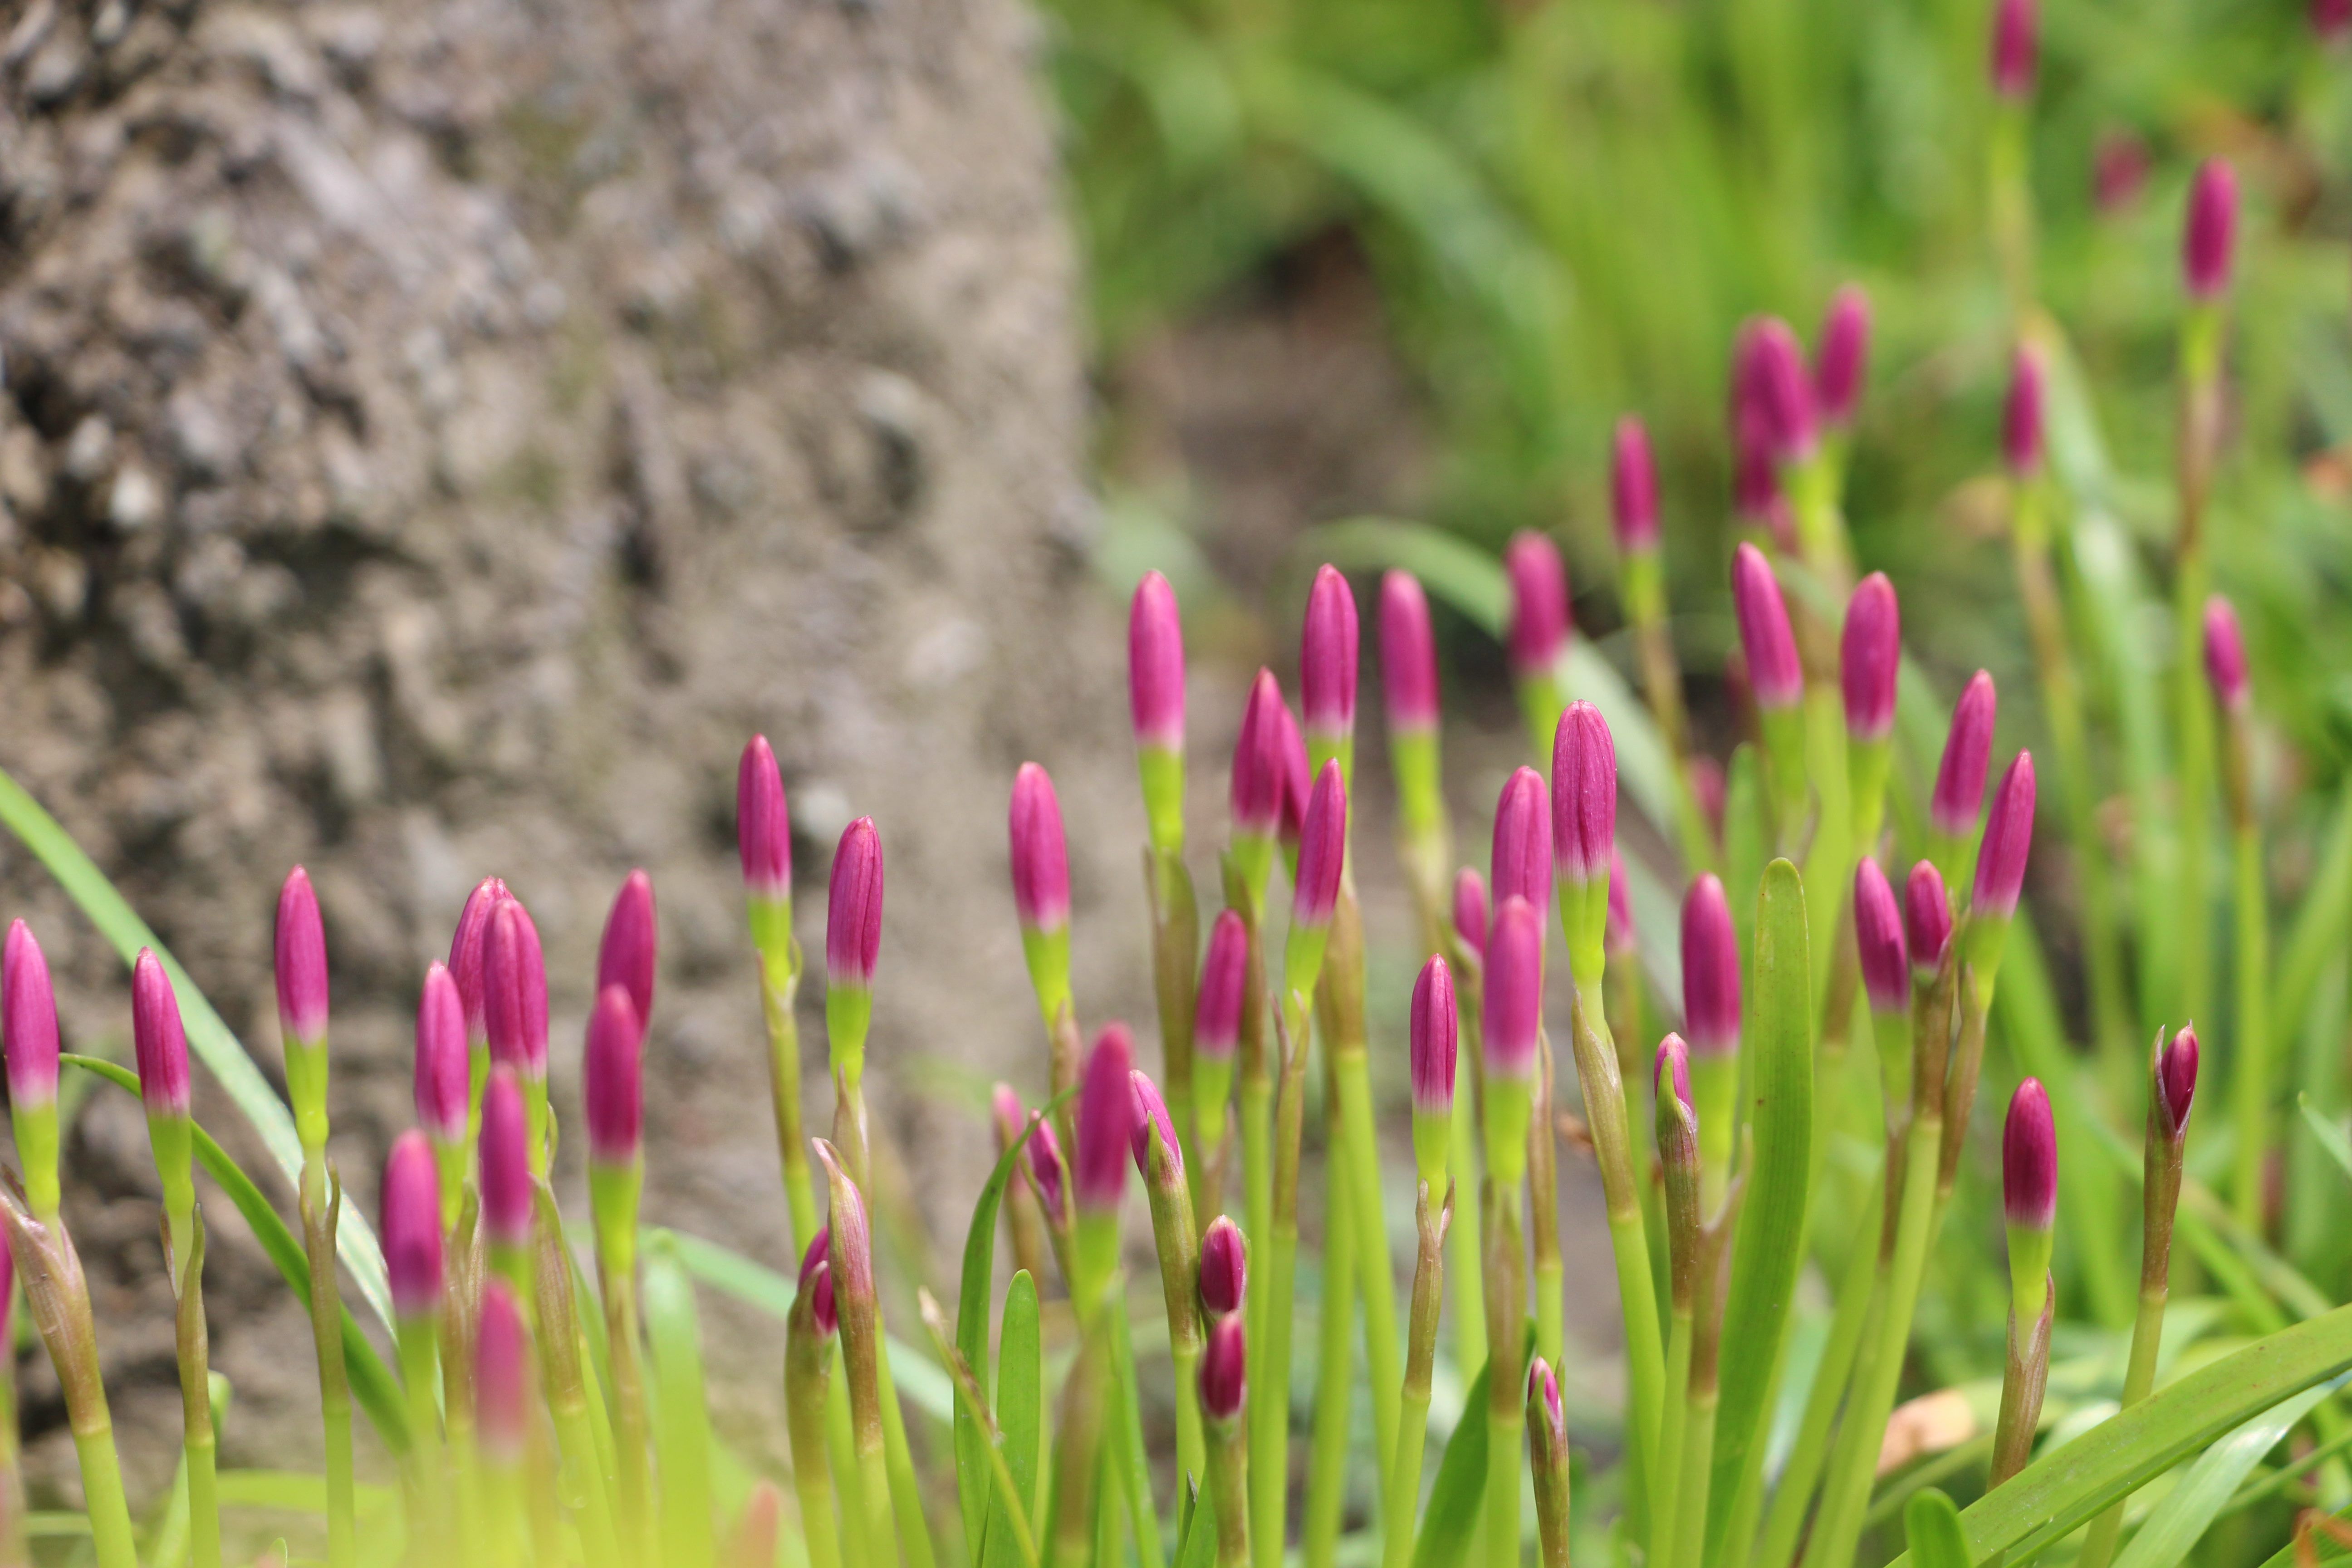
{"x":816,"y":1280}
{"x":1223,"y":1369}
{"x":1870,"y":653}
{"x":1297,"y":783}
{"x":1544,"y":1398}
{"x":1583,"y":793}
{"x":2331,"y":19}
{"x":1151,"y":1111}
{"x":2021,"y":416}
{"x":1224,"y":1266}
{"x":161,"y":1044}
{"x":1926,"y":918}
{"x":514,"y":989}
{"x":1155,"y":665}
{"x":1326,"y":658}
{"x":1710,"y":969}
{"x":506,"y":1162}
{"x":412,"y":1226}
{"x":1755,"y":484}
{"x":1522,"y":860}
{"x":849,"y":1251}
{"x":1470,"y":910}
{"x":1634,"y":487}
{"x":1773,"y":671}
{"x":1671,"y":1069}
{"x":1620,"y":938}
{"x":1322,"y":849}
{"x":763,"y":826}
{"x":1708,"y":784}
{"x":1783,"y":391}
{"x":1878,"y":934}
{"x":1225,"y":979}
{"x":2014,"y":45}
{"x":1540,"y":622}
{"x":1845,"y":356}
{"x":1106,"y":1119}
{"x":1408,"y":654}
{"x":2209,"y":242}
{"x":2119,"y":166}
{"x":2028,"y":1159}
{"x":2225,"y":654}
{"x":625,"y":956}
{"x":1260,"y":763}
{"x":501,"y":1375}
{"x":612,"y":1079}
{"x":468,"y":953}
{"x":442,"y":1073}
{"x":1514,"y":1003}
{"x":2176,"y":1081}
{"x":1043,"y":1156}
{"x":1968,"y":750}
{"x":1435,"y":1034}
{"x":1040,"y":857}
{"x":853,"y":926}
{"x":301,"y":961}
{"x":28,"y":1016}
{"x":2008,"y":840}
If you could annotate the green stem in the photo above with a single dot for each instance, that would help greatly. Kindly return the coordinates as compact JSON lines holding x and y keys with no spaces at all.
{"x":784,"y":1089}
{"x":1229,"y":1491}
{"x":1505,"y":1412}
{"x":103,"y":1503}
{"x":1604,"y":1105}
{"x":1270,"y":1412}
{"x":1697,"y":1462}
{"x":1326,"y":1466}
{"x":2251,"y":1083}
{"x":1543,"y":1212}
{"x":1360,"y":1156}
{"x":1126,"y":1450}
{"x":1402,"y":1498}
{"x":808,"y":1368}
{"x":632,"y":1438}
{"x":2139,"y":1379}
{"x":1462,"y":1268}
{"x":322,"y":1198}
{"x":841,"y":1454}
{"x":420,"y":1372}
{"x":2192,"y":904}
{"x":1666,"y":1493}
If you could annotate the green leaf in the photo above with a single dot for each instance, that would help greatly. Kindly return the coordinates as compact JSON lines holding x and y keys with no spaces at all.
{"x":1198,"y":1548}
{"x":373,"y":1384}
{"x":2317,"y":933}
{"x":1743,"y":841}
{"x":1933,"y":1525}
{"x":2189,"y":1509}
{"x":208,"y":1037}
{"x":1451,"y":1514}
{"x":682,"y":1439}
{"x":2330,"y":1136}
{"x":294,"y":1492}
{"x":1020,"y":1417}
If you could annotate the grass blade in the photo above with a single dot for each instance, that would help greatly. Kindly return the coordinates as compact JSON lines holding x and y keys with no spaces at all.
{"x":1455,"y":1498}
{"x":1934,"y":1527}
{"x":2189,"y":1509}
{"x":1020,"y":1417}
{"x":682,"y":1440}
{"x":2330,"y":1137}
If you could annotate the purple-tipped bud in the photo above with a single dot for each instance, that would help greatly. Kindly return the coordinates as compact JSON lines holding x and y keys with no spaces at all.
{"x":1870,"y":653}
{"x":506,"y":1162}
{"x":1261,"y":763}
{"x":2015,"y":42}
{"x":501,"y":1375}
{"x":2028,"y":1159}
{"x":625,"y":956}
{"x":412,"y":1226}
{"x":1040,"y":856}
{"x":1322,"y":849}
{"x":763,"y":826}
{"x":2176,"y":1081}
{"x":1968,"y":750}
{"x":514,"y":989}
{"x":849,"y":1250}
{"x":2331,"y":19}
{"x":1544,"y":1401}
{"x":2021,"y":416}
{"x":816,"y":1280}
{"x":2225,"y":653}
{"x":612,"y":1079}
{"x":853,"y":926}
{"x":28,"y":1014}
{"x":1583,"y":793}
{"x":2210,"y":240}
{"x":1408,"y":654}
{"x":160,"y":1043}
{"x":1670,"y":1070}
{"x":1783,"y":391}
{"x":470,"y":953}
{"x":1327,"y":657}
{"x":1620,"y":938}
{"x":1845,"y":356}
{"x":1225,"y":1370}
{"x":1434,"y":1033}
{"x":1540,"y":622}
{"x":1155,"y":665}
{"x":1106,"y":1119}
{"x":1708,"y":784}
{"x":1878,"y":934}
{"x":1634,"y":487}
{"x":1514,"y":1005}
{"x":1710,"y":969}
{"x":1042,"y":1155}
{"x":1773,"y":670}
{"x":301,"y":961}
{"x":1225,"y":989}
{"x":443,"y":1072}
{"x":1151,"y":1111}
{"x":2008,"y":841}
{"x":1926,"y":918}
{"x":1470,"y":910}
{"x":1224,"y":1266}
{"x":1521,"y":864}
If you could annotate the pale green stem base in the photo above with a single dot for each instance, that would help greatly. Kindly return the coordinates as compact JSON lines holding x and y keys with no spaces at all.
{"x":1125,"y":1451}
{"x":1697,"y":1462}
{"x":327,"y":1331}
{"x":2251,"y":1079}
{"x":1326,"y":1466}
{"x":1665,"y":1505}
{"x":1357,"y":1158}
{"x":2139,"y":1379}
{"x":1462,"y":1264}
{"x":103,"y":1503}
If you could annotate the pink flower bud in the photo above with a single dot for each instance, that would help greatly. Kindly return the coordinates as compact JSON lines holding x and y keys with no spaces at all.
{"x":1434,"y":1033}
{"x":1540,"y":622}
{"x":514,"y":989}
{"x":2331,"y":19}
{"x":1155,"y":665}
{"x":1619,"y":939}
{"x":1968,"y":750}
{"x":1470,"y":910}
{"x":301,"y":961}
{"x":28,"y":1014}
{"x":1322,"y":849}
{"x":1408,"y":654}
{"x":1773,"y":671}
{"x":2209,"y":241}
{"x":442,"y":1073}
{"x":1106,"y":1119}
{"x":1260,"y":763}
{"x":1710,"y":969}
{"x":849,"y":1250}
{"x":506,"y":1162}
{"x":2176,"y":1080}
{"x":1223,"y":1369}
{"x":1040,"y":856}
{"x":1327,"y":657}
{"x":1878,"y":934}
{"x":161,"y":1044}
{"x":853,"y":926}
{"x":1583,"y":793}
{"x":764,"y":826}
{"x":2028,"y":1159}
{"x":1845,"y":356}
{"x":1783,"y":391}
{"x":1707,"y":782}
{"x":1151,"y":1111}
{"x":2021,"y":416}
{"x":1634,"y":487}
{"x":1514,"y":1003}
{"x":1927,"y":919}
{"x":2119,"y":166}
{"x":2225,"y":654}
{"x":816,"y":1280}
{"x":1870,"y":655}
{"x":501,"y":1375}
{"x":1224,"y":1266}
{"x":1043,"y":1156}
{"x":612,"y":1079}
{"x":2014,"y":30}
{"x":2008,"y":840}
{"x":469,"y":950}
{"x":1756,"y":495}
{"x":625,"y":956}
{"x":1671,"y":1069}
{"x":1521,"y":864}
{"x":1297,"y":784}
{"x":1225,"y":979}
{"x":412,"y":1226}
{"x":1544,"y":1401}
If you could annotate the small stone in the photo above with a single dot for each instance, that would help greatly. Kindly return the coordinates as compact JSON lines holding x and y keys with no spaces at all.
{"x":137,"y":501}
{"x":89,"y":447}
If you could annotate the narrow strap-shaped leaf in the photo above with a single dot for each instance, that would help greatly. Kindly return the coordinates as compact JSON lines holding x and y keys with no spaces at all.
{"x":1934,"y":1527}
{"x":1198,"y":1547}
{"x":2189,"y":1510}
{"x":682,"y":1437}
{"x":1743,"y":840}
{"x":1020,"y":1417}
{"x":1460,"y":1490}
{"x":2326,"y":1134}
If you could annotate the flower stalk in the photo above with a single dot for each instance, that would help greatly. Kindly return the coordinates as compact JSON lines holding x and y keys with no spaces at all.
{"x":1420,"y":1369}
{"x":1548,"y":1455}
{"x":1633,"y":513}
{"x":763,"y":836}
{"x":808,"y":1374}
